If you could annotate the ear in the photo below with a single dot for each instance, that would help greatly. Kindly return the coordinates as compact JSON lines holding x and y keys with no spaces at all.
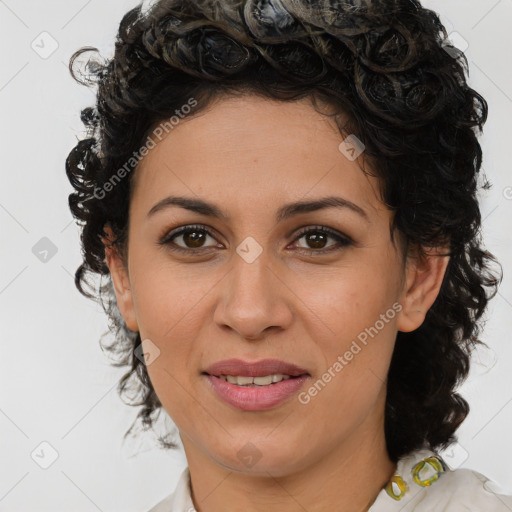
{"x":424,"y":277}
{"x":120,"y":280}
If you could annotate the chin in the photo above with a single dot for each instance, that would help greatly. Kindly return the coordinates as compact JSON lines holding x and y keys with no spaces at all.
{"x":264,"y":457}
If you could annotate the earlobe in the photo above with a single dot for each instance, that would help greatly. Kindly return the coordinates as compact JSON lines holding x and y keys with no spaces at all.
{"x":120,"y":280}
{"x":424,"y":277}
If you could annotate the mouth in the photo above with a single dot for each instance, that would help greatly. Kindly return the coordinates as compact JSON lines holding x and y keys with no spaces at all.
{"x":254,"y":386}
{"x":264,"y":380}
{"x":257,"y":369}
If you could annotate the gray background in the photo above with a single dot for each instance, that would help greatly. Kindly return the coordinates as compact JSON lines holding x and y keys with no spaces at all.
{"x":57,"y":387}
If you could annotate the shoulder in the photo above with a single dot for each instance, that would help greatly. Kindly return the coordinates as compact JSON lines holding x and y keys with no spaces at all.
{"x":164,"y":505}
{"x":427,"y":483}
{"x":468,"y":488}
{"x":178,"y":501}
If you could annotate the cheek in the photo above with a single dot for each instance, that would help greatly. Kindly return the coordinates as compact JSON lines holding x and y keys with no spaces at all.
{"x":169,"y":300}
{"x":354,"y":329}
{"x":170,"y":311}
{"x":343,"y":302}
{"x":352,"y":380}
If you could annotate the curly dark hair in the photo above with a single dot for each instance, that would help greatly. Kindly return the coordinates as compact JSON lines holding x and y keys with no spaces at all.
{"x":389,"y":67}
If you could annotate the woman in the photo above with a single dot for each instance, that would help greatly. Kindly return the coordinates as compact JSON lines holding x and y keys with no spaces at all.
{"x":282,"y":196}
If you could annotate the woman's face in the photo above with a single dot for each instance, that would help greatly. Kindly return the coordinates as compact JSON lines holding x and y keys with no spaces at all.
{"x":249,"y":285}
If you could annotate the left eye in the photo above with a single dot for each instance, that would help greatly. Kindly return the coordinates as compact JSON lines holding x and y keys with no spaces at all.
{"x":317,"y":236}
{"x":194,"y":237}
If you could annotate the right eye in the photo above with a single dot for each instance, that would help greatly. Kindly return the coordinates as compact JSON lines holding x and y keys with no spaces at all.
{"x":193,"y":236}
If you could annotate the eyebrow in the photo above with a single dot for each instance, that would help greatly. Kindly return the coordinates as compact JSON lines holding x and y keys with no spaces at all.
{"x":284,"y":212}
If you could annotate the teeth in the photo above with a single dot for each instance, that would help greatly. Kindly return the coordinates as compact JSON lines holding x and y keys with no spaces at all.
{"x":254,"y":381}
{"x":263,"y":381}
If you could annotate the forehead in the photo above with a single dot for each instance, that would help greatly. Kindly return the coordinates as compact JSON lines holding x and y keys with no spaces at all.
{"x":239,"y":150}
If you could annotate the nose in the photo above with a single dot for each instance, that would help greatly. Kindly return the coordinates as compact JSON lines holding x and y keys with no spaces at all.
{"x":254,"y":299}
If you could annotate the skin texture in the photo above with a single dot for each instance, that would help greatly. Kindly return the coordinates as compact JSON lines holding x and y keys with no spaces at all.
{"x":249,"y":156}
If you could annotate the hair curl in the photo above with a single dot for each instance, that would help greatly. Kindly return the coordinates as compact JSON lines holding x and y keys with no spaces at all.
{"x":387,"y":65}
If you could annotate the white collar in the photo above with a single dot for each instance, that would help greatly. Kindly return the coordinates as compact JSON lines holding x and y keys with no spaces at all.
{"x":450,"y":490}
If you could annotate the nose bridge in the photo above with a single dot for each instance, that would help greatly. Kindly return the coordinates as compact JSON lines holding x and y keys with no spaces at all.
{"x":249,"y":283}
{"x":252,"y":299}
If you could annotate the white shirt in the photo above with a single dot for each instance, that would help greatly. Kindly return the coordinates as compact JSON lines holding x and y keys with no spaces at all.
{"x":453,"y":491}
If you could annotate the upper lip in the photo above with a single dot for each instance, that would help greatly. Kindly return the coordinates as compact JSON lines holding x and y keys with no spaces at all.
{"x":259,"y":368}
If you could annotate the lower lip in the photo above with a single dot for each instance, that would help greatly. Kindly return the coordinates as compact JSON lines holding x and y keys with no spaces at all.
{"x":256,"y":398}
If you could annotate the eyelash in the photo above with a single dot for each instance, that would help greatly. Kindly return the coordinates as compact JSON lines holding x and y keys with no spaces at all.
{"x":343,"y":240}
